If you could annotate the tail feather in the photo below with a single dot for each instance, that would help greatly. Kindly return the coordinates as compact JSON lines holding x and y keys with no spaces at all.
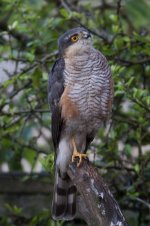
{"x":71,"y":202}
{"x":64,"y":199}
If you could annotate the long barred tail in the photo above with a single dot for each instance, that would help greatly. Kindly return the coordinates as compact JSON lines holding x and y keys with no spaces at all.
{"x":64,"y":199}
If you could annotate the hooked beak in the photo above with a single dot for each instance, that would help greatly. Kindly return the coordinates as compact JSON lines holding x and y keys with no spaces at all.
{"x":86,"y":34}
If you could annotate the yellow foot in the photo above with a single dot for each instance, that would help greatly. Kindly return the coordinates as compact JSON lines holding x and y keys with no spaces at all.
{"x":80,"y":156}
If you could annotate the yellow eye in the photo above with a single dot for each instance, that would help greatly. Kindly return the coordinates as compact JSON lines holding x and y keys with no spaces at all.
{"x":74,"y":38}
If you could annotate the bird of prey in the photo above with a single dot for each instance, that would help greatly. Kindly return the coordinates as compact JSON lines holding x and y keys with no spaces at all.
{"x":80,"y":93}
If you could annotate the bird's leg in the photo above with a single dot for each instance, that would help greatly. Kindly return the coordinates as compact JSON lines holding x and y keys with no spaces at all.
{"x":77,"y":154}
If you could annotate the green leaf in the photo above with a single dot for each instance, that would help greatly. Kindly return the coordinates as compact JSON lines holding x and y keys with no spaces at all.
{"x":114,"y":18}
{"x":130,"y":81}
{"x":36,"y":78}
{"x":148,"y":101}
{"x":64,"y":13}
{"x":128,"y":150}
{"x":137,"y":168}
{"x":13,"y":209}
{"x":48,"y":162}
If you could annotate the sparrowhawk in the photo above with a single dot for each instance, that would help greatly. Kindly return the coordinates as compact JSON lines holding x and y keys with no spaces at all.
{"x":80,"y":93}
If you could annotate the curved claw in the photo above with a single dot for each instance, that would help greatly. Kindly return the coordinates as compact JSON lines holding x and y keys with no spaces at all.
{"x":78,"y":155}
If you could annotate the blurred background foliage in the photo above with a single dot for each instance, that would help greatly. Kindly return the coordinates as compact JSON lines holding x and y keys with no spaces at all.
{"x":29,"y":31}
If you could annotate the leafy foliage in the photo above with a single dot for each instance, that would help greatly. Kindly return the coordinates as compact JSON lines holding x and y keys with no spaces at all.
{"x":28,"y":38}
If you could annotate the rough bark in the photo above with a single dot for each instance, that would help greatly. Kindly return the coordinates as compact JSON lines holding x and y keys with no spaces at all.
{"x":99,"y":206}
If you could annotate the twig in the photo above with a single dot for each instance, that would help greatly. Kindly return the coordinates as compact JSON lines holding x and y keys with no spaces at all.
{"x":142,"y":201}
{"x":26,"y":112}
{"x":130,"y":63}
{"x":21,"y":37}
{"x":102,"y":36}
{"x":118,"y":7}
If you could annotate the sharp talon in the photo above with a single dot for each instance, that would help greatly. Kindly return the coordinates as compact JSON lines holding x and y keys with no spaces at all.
{"x":78,"y":155}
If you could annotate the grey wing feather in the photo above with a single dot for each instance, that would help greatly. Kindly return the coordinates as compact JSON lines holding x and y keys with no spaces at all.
{"x":64,"y":204}
{"x":55,"y":90}
{"x":89,"y":139}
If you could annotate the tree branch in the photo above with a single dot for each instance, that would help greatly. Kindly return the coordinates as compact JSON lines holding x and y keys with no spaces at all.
{"x":101,"y":207}
{"x":30,"y":111}
{"x":21,"y":37}
{"x":101,"y":34}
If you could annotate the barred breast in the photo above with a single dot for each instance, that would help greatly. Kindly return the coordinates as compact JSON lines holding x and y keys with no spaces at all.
{"x":89,"y":79}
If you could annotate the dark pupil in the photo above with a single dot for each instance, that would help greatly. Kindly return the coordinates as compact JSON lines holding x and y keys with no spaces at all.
{"x":75,"y":37}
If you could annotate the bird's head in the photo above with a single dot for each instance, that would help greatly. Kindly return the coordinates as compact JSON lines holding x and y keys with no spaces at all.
{"x":76,"y":41}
